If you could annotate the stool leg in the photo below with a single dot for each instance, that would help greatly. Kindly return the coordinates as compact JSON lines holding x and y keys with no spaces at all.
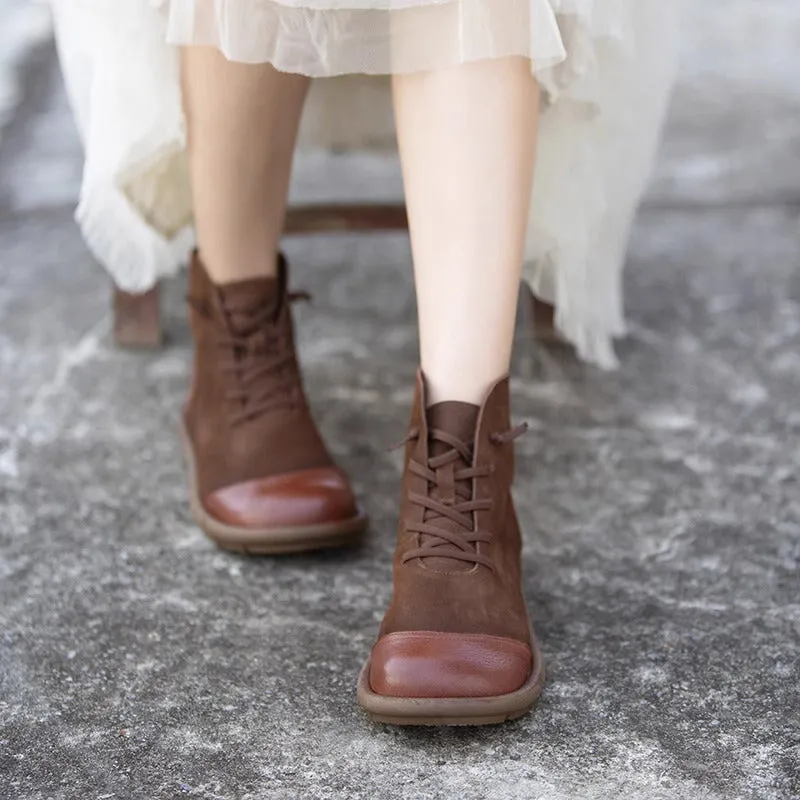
{"x":543,"y":317}
{"x":137,"y":319}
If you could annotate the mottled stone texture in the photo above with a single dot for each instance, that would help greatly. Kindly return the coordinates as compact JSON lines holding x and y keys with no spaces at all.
{"x":661,"y":504}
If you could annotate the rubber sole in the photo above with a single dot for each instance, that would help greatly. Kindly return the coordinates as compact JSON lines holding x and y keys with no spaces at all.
{"x":270,"y":541}
{"x":454,"y":711}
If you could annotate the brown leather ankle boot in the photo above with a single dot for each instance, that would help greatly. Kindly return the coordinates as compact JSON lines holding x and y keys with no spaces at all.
{"x":261,"y":479}
{"x":456,"y":646}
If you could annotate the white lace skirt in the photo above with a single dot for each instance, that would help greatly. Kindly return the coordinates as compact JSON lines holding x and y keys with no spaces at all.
{"x":605,"y":67}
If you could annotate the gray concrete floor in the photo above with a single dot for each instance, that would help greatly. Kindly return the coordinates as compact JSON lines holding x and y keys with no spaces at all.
{"x":661,"y":503}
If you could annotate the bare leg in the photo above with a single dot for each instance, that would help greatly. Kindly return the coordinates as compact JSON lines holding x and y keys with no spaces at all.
{"x":243,"y":122}
{"x":467,"y":140}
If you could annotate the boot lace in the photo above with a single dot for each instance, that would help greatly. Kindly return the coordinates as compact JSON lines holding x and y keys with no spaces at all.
{"x":259,"y":355}
{"x":460,"y":544}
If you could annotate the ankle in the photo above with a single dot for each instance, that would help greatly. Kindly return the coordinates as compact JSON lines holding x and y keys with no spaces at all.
{"x":225,"y":266}
{"x":447,"y":385}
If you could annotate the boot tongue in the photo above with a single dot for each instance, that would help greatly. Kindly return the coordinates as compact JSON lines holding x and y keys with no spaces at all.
{"x":242,"y":299}
{"x":458,"y":420}
{"x":453,"y":417}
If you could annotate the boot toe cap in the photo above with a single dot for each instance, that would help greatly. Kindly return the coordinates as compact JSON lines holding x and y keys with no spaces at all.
{"x":431,"y":664}
{"x":298,"y":499}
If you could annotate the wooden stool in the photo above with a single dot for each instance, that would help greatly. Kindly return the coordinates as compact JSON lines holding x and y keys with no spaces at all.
{"x":137,"y":317}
